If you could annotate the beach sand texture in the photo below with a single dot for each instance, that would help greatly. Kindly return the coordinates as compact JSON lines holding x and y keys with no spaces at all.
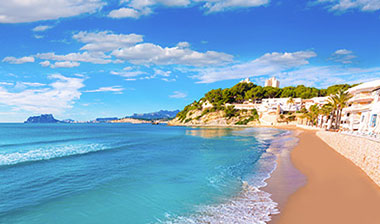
{"x":336,"y":190}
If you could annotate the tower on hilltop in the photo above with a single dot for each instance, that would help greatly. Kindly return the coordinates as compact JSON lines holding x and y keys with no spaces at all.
{"x":273,"y":82}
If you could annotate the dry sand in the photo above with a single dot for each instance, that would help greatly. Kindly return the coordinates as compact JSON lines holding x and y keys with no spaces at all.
{"x":336,"y":191}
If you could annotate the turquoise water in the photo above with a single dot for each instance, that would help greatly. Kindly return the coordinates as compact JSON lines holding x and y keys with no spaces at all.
{"x":124,"y":173}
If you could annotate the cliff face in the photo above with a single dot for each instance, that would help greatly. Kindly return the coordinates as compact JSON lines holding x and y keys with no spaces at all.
{"x":44,"y":118}
{"x":216,"y":118}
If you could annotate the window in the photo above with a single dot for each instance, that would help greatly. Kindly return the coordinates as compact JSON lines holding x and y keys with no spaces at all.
{"x":373,"y":120}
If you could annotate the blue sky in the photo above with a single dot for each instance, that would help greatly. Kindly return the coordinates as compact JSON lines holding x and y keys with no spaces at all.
{"x":83,"y":59}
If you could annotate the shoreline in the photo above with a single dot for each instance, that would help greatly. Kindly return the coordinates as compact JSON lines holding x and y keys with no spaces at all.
{"x":336,"y":190}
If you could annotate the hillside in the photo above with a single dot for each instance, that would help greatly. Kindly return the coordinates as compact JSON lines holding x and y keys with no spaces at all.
{"x":215,"y":107}
{"x":159,"y":115}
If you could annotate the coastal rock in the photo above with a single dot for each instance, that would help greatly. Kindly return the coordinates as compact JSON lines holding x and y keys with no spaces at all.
{"x":43,"y":118}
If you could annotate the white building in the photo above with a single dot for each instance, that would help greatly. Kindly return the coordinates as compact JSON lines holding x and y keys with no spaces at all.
{"x":245,"y":81}
{"x":273,"y":82}
{"x":363,"y":111}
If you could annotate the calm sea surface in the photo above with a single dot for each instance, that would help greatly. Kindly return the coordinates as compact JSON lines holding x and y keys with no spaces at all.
{"x":124,"y":173}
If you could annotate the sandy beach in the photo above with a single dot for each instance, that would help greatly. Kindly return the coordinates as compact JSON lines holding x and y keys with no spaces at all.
{"x":331,"y":190}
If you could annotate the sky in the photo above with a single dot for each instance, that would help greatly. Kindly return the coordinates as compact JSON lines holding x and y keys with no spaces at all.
{"x":83,"y":59}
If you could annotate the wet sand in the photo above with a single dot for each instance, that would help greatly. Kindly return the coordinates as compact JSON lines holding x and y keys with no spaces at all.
{"x":331,"y":190}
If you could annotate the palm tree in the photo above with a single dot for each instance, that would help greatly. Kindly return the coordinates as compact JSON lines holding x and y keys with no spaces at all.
{"x":338,"y":102}
{"x":326,"y":111}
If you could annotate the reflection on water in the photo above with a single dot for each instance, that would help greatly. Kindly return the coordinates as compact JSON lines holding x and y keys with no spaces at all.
{"x":210,"y":132}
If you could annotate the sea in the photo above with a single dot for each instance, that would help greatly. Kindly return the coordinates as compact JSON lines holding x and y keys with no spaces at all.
{"x":135,"y":173}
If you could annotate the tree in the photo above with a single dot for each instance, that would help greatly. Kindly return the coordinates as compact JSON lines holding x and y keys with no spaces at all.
{"x":339,"y":101}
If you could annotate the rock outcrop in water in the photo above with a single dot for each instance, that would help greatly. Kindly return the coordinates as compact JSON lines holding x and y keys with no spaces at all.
{"x":43,"y":118}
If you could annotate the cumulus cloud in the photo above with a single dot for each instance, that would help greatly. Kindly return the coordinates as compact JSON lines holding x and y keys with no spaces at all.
{"x":178,"y":95}
{"x":95,"y":58}
{"x":222,"y":5}
{"x":137,"y":8}
{"x":41,"y":28}
{"x":45,"y":63}
{"x":344,"y":5}
{"x":16,"y":11}
{"x":13,"y":60}
{"x":55,"y":97}
{"x":65,"y":64}
{"x":343,"y":56}
{"x":125,"y":13}
{"x":148,"y":53}
{"x":106,"y":41}
{"x":270,"y":63}
{"x":106,"y":47}
{"x":115,"y":89}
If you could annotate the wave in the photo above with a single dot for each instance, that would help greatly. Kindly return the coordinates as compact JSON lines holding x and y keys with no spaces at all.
{"x":48,"y":153}
{"x":250,"y":206}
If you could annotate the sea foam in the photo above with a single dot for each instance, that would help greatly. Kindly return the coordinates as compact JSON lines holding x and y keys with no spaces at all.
{"x":250,"y":206}
{"x":46,"y":153}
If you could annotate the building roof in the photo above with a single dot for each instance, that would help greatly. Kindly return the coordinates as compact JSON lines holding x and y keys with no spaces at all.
{"x":365,"y":86}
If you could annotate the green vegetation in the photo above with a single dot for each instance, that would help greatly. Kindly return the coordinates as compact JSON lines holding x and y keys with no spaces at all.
{"x":248,"y":91}
{"x":332,"y":110}
{"x":253,"y":117}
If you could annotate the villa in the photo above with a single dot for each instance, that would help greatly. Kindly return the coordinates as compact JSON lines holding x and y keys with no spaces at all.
{"x":364,"y":108}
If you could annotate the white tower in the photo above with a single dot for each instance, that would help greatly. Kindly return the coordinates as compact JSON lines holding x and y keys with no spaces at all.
{"x":272,"y":82}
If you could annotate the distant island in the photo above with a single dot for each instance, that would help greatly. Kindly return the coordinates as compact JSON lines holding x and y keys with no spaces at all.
{"x":153,"y":117}
{"x":43,"y":118}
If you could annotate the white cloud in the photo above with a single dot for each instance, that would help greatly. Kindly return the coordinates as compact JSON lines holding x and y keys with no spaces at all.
{"x":342,"y":52}
{"x":65,"y":64}
{"x":270,"y":63}
{"x":33,"y":84}
{"x":324,"y":76}
{"x":148,"y":53}
{"x":160,"y":72}
{"x":106,"y":41}
{"x":124,"y":13}
{"x":45,"y":63}
{"x":115,"y":89}
{"x":344,"y":5}
{"x":19,"y":11}
{"x":52,"y":98}
{"x":138,"y":8}
{"x":106,"y":47}
{"x":222,"y":5}
{"x":41,"y":28}
{"x":343,"y":56}
{"x":38,"y":36}
{"x":178,"y":95}
{"x":128,"y":73}
{"x":13,"y":60}
{"x":95,"y":58}
{"x":6,"y":84}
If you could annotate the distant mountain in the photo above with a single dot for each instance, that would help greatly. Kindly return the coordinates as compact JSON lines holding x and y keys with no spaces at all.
{"x":162,"y":114}
{"x":43,"y":118}
{"x":106,"y":119}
